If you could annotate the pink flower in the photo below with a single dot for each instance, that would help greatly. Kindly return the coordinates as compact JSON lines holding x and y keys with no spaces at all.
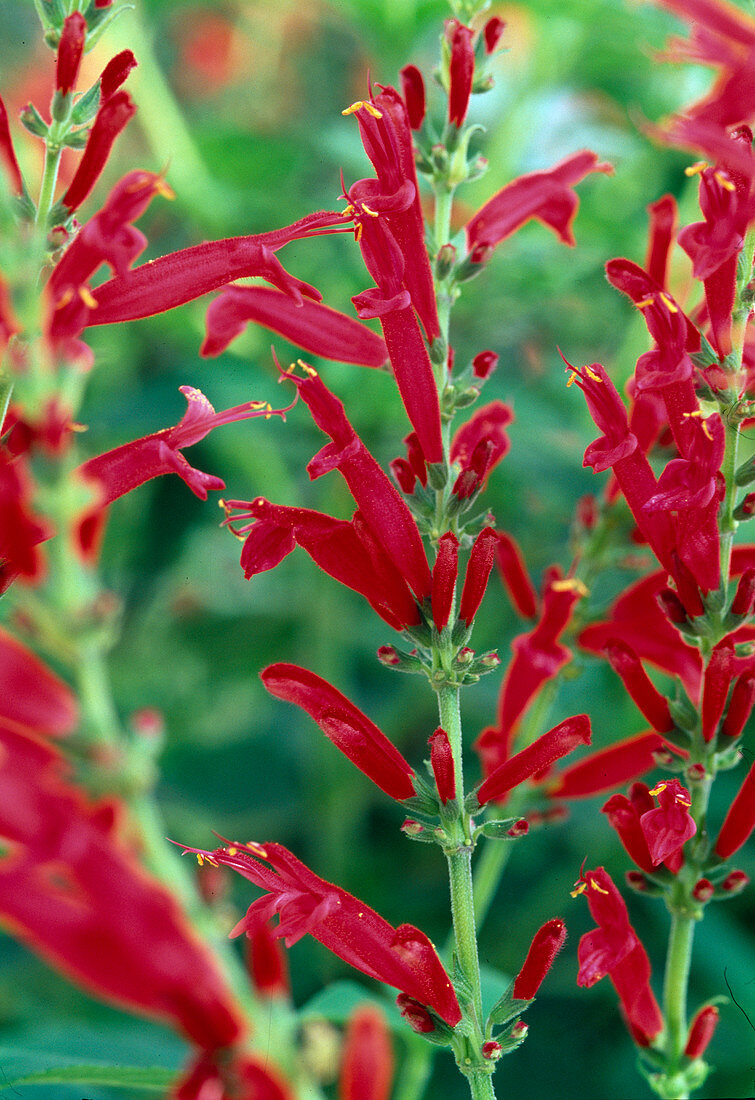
{"x":614,"y":949}
{"x":32,"y":695}
{"x":314,"y":327}
{"x":306,"y":904}
{"x":625,"y":815}
{"x":545,"y":195}
{"x":345,"y":725}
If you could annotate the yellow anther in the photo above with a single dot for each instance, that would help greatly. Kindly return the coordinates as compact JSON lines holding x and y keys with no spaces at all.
{"x":645,"y":302}
{"x":579,"y":888}
{"x":348,"y":211}
{"x":572,"y":377}
{"x":200,"y":859}
{"x":164,"y":188}
{"x":76,"y":427}
{"x":370,"y":108}
{"x":64,"y":298}
{"x":358,"y":232}
{"x":368,"y":210}
{"x":256,"y":849}
{"x":669,"y":302}
{"x":659,"y":787}
{"x":595,"y":886}
{"x":268,"y":410}
{"x":258,"y":405}
{"x":87,"y":297}
{"x":697,"y":412}
{"x":571,"y":584}
{"x":232,"y":851}
{"x":706,"y":429}
{"x":696,"y":168}
{"x":310,"y":371}
{"x":725,"y":182}
{"x":591,"y":374}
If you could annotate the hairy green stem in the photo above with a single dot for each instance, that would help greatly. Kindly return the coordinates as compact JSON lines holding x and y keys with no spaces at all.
{"x":49,"y":181}
{"x":676,"y":979}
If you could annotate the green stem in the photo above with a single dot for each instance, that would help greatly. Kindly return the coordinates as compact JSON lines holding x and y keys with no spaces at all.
{"x":49,"y":181}
{"x":675,"y":987}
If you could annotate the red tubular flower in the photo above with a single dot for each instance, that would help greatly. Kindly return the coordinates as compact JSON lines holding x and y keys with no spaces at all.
{"x":119,"y":471}
{"x":740,"y":820}
{"x":492,"y":33}
{"x":444,"y":578}
{"x":740,"y":705}
{"x":745,"y":594}
{"x":538,"y":656}
{"x":21,"y":532}
{"x":460,"y":71}
{"x":717,"y":680}
{"x":701,"y":1031}
{"x":31,"y":694}
{"x":115,"y":73}
{"x":79,"y":899}
{"x":546,"y":944}
{"x":515,"y":576}
{"x":669,"y":826}
{"x":225,"y":1074}
{"x":70,"y":51}
{"x":112,"y":117}
{"x":314,"y":327}
{"x":306,"y":904}
{"x":381,"y":505}
{"x":653,"y":705}
{"x":541,"y":754}
{"x":607,"y":768}
{"x":367,"y":1058}
{"x":442,"y":763}
{"x":546,"y":195}
{"x":413,"y":90}
{"x":478,"y":572}
{"x":345,"y":725}
{"x":347,"y":551}
{"x":624,"y":815}
{"x":7,"y":152}
{"x":267,"y":963}
{"x":663,"y":220}
{"x":614,"y":949}
{"x":180,"y":277}
{"x":387,"y":139}
{"x":479,"y":445}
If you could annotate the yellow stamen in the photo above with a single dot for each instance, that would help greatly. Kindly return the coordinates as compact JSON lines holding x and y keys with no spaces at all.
{"x":232,"y":851}
{"x":164,"y":188}
{"x":706,"y":429}
{"x":725,"y":182}
{"x":696,"y":168}
{"x":658,"y":788}
{"x":87,"y":297}
{"x":670,"y":303}
{"x":348,"y":211}
{"x":697,"y":412}
{"x":358,"y":232}
{"x":574,"y":375}
{"x":64,"y":298}
{"x":579,"y":888}
{"x":595,"y":886}
{"x":591,"y":374}
{"x":257,"y":849}
{"x":645,"y":302}
{"x":367,"y":210}
{"x":571,"y":584}
{"x":310,"y":371}
{"x":369,"y":108}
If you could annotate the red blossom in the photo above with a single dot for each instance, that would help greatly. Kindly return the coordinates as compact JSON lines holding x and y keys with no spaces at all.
{"x":7,"y":152}
{"x":492,"y":32}
{"x":669,"y":826}
{"x":545,"y":195}
{"x":367,"y":1057}
{"x":614,"y":949}
{"x":653,"y":705}
{"x":546,"y":944}
{"x":740,"y":705}
{"x":115,"y":73}
{"x":444,"y":579}
{"x":70,"y":51}
{"x":478,"y":571}
{"x":663,"y":220}
{"x":515,"y":576}
{"x":719,"y":674}
{"x":442,"y":763}
{"x":21,"y":531}
{"x":479,"y":445}
{"x":306,"y":904}
{"x":268,"y":964}
{"x":624,"y":815}
{"x":460,"y":70}
{"x":231,"y":1074}
{"x":541,"y":754}
{"x":740,"y":820}
{"x":112,"y":117}
{"x":607,"y":768}
{"x":31,"y":694}
{"x":313,"y":326}
{"x":701,"y":1031}
{"x":415,"y":1014}
{"x":413,"y":89}
{"x":345,"y":725}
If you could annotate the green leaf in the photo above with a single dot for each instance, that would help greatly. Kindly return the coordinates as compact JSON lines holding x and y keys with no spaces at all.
{"x":25,"y":1068}
{"x":337,"y":1002}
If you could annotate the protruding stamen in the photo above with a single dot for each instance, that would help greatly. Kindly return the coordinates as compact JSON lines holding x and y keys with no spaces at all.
{"x":370,"y":108}
{"x":571,"y":584}
{"x":696,"y":168}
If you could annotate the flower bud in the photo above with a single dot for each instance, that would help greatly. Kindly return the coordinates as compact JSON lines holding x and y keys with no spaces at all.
{"x":492,"y":1050}
{"x":413,"y":91}
{"x":701,"y":1031}
{"x":740,"y":705}
{"x":460,"y":71}
{"x":442,"y":763}
{"x":734,"y":883}
{"x":70,"y":50}
{"x":672,"y":606}
{"x":520,"y":828}
{"x":546,"y":944}
{"x":745,"y":594}
{"x":478,"y":571}
{"x":415,"y":1014}
{"x":492,"y":32}
{"x":445,"y":261}
{"x":484,"y":363}
{"x":444,"y":579}
{"x":703,"y":890}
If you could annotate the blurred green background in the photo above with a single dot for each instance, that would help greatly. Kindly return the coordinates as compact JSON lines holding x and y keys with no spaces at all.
{"x":258,"y":141}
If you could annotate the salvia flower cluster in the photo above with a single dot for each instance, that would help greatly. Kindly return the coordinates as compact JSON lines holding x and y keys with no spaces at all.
{"x":419,"y":546}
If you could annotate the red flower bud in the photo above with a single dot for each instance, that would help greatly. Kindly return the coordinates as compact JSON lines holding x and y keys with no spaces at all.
{"x":367,"y":1062}
{"x":672,"y":607}
{"x":115,"y":72}
{"x":413,"y":91}
{"x":519,"y":828}
{"x":515,"y":576}
{"x":387,"y":655}
{"x":703,"y":890}
{"x":701,"y":1031}
{"x":7,"y":152}
{"x":627,"y":664}
{"x":484,"y":363}
{"x":267,"y":962}
{"x":740,"y":819}
{"x":70,"y":50}
{"x":492,"y":1050}
{"x":735,"y":882}
{"x":442,"y":763}
{"x":461,"y":70}
{"x":546,"y":944}
{"x":111,"y":118}
{"x":415,"y":1014}
{"x":718,"y":677}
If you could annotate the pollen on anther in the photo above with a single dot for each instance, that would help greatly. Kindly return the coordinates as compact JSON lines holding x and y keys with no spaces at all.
{"x":369,"y":108}
{"x":591,"y":374}
{"x":310,"y":371}
{"x":87,"y":297}
{"x":696,"y":168}
{"x":669,"y":303}
{"x":368,"y":210}
{"x":579,"y":888}
{"x":725,"y":182}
